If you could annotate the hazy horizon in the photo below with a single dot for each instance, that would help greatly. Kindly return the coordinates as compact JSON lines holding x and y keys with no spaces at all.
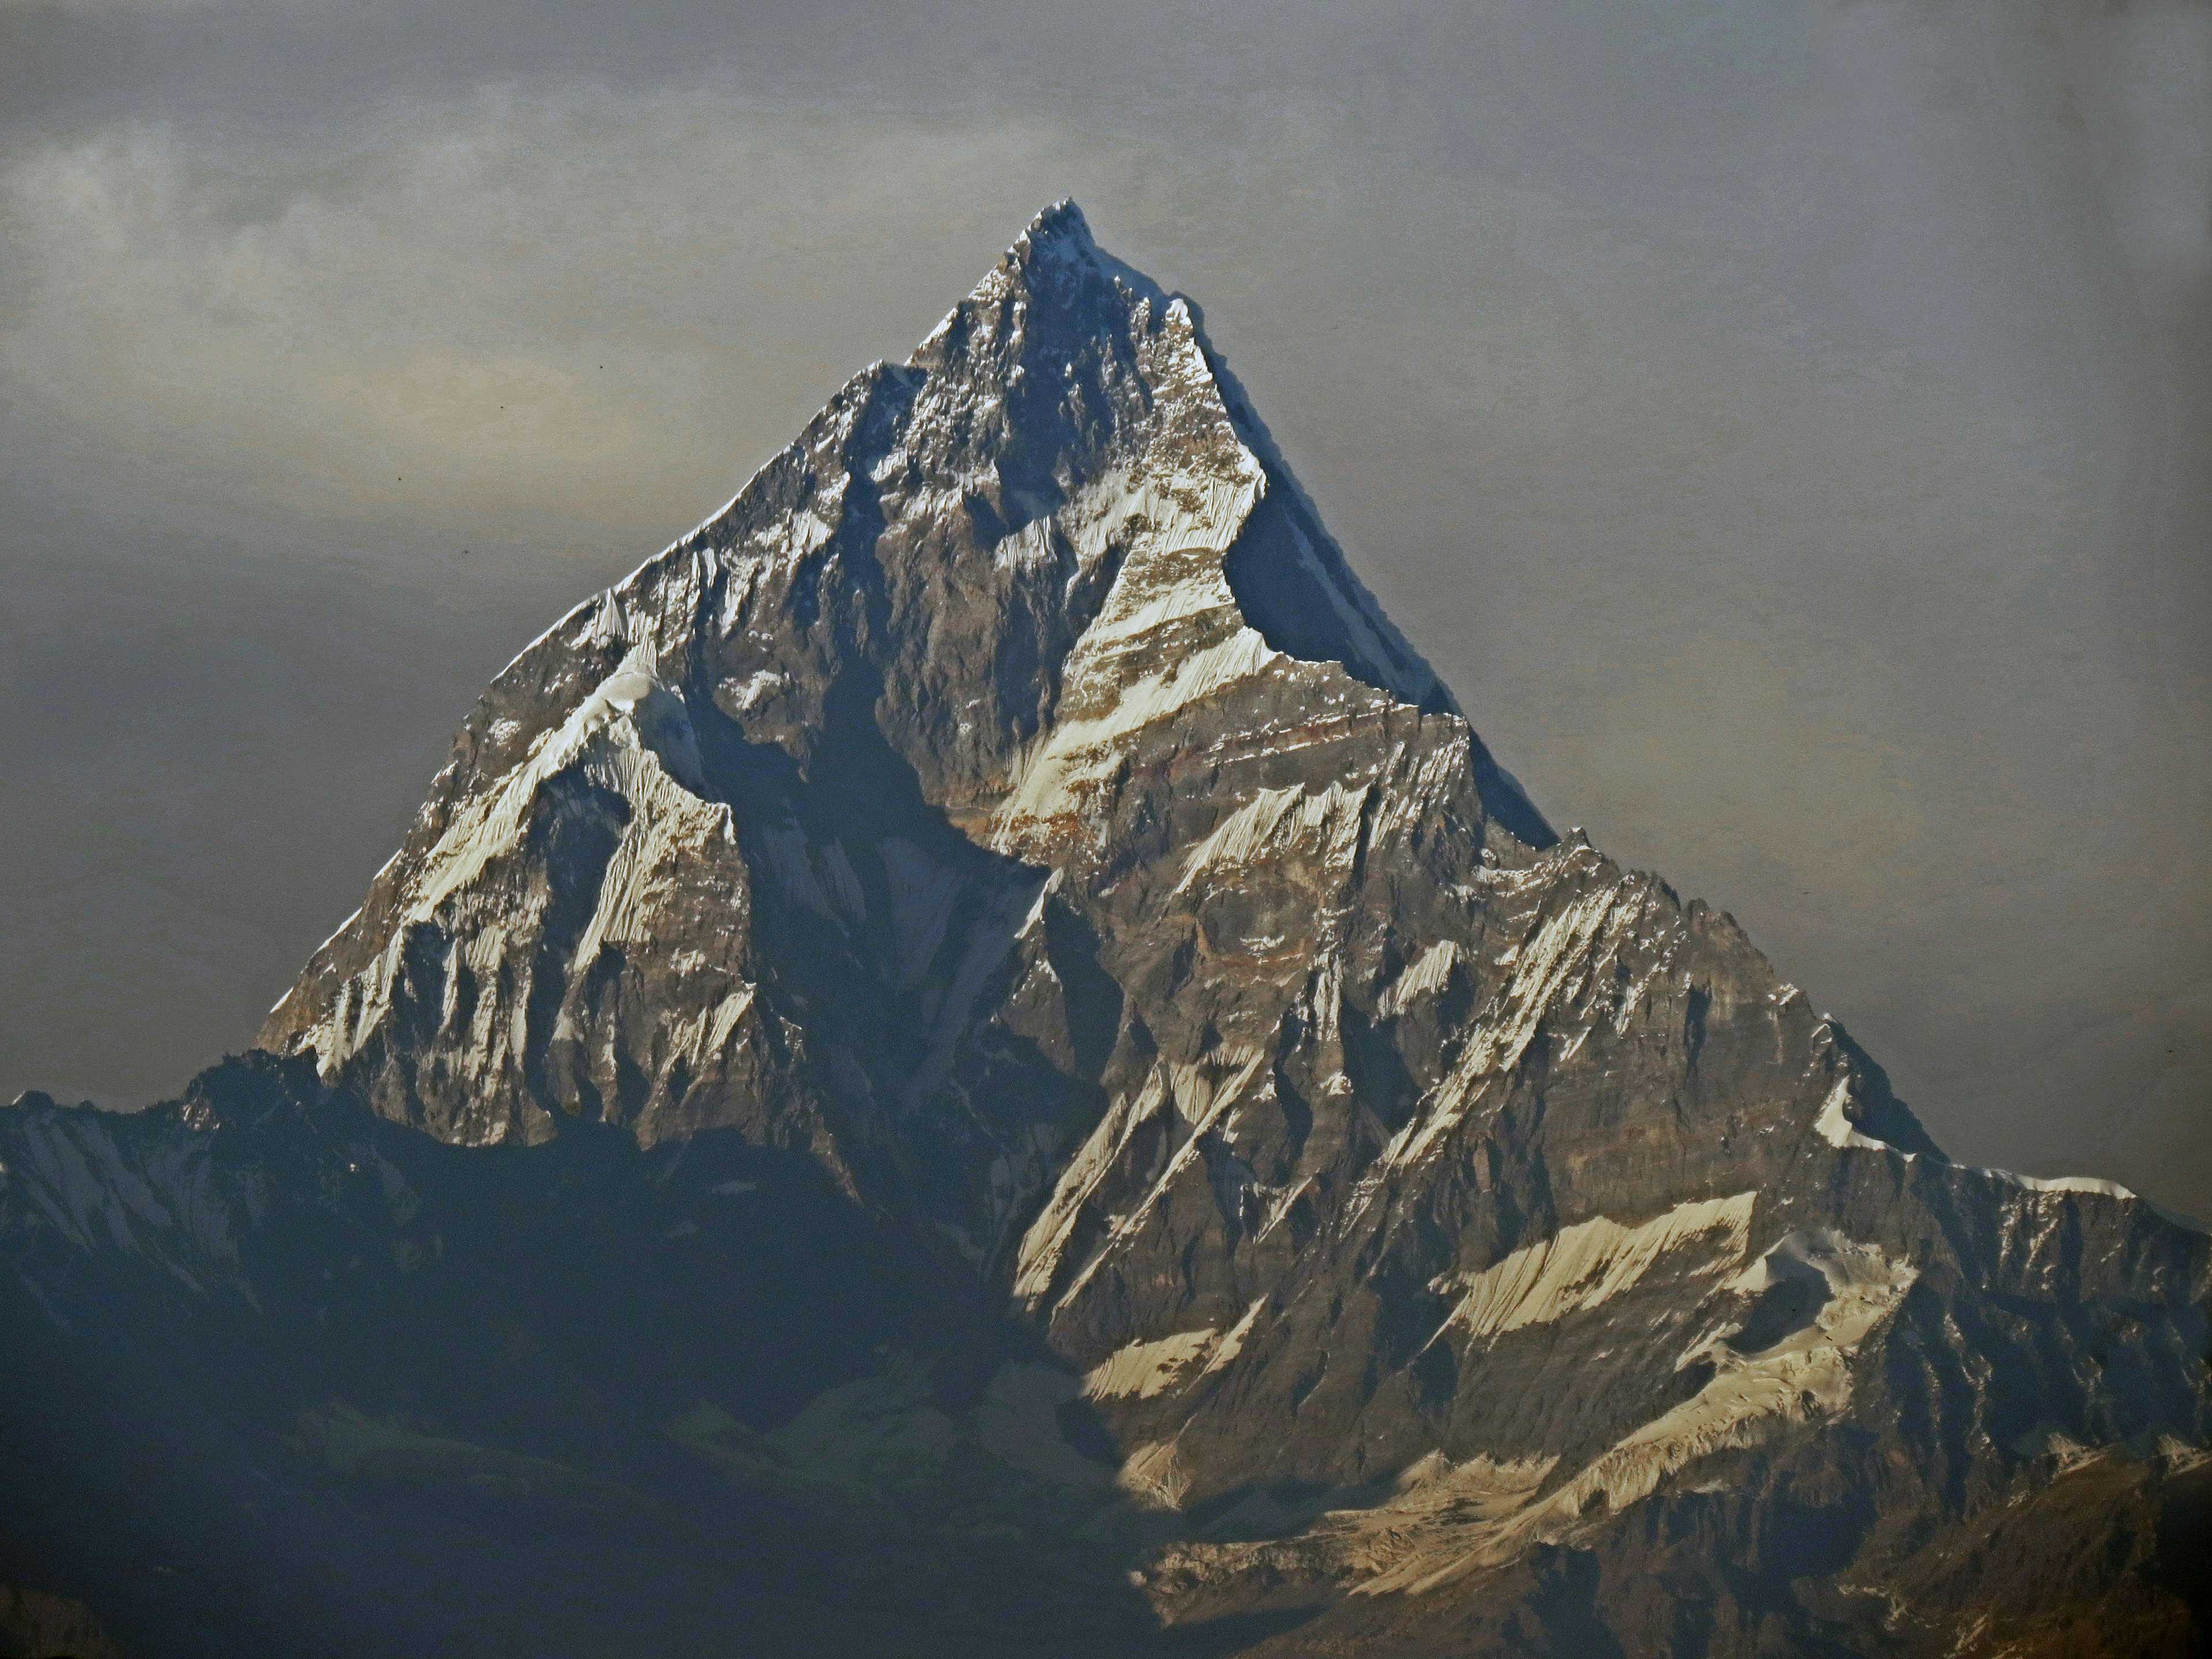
{"x":1787,"y":427}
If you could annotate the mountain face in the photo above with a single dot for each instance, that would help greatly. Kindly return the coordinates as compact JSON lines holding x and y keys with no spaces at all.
{"x":981,"y":1039}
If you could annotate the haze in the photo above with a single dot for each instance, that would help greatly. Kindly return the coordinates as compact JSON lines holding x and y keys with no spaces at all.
{"x":1787,"y":426}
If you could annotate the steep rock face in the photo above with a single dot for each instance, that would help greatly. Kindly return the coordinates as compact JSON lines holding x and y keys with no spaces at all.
{"x":1012,"y":806}
{"x":935,"y":793}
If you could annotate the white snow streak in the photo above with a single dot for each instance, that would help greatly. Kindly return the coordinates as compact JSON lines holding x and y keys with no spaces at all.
{"x":1591,"y":1262}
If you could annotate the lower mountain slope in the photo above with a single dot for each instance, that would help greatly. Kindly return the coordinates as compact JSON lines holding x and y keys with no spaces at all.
{"x":286,"y":1377}
{"x":978,"y":1051}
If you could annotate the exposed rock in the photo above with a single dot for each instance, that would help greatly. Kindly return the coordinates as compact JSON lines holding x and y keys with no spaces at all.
{"x":34,"y":1625}
{"x":1011,"y":812}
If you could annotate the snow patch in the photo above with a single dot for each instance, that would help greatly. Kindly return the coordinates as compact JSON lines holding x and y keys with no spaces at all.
{"x":1806,"y":1375}
{"x":1544,"y":967}
{"x":1197,"y":1101}
{"x":1428,"y":974}
{"x":2060,"y":1183}
{"x":1232,"y":1343}
{"x":1277,"y":823}
{"x":1154,"y":1476}
{"x":757,"y":688}
{"x":1143,"y":1370}
{"x":1834,"y":1123}
{"x":1591,"y":1262}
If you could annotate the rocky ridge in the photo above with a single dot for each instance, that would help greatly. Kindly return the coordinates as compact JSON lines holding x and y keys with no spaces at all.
{"x":1419,"y":1230}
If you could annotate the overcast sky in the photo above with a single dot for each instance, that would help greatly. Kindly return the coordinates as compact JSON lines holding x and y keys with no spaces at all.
{"x":1786,"y":423}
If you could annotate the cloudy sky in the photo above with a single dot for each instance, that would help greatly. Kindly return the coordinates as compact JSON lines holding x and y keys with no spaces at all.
{"x":1787,"y":423}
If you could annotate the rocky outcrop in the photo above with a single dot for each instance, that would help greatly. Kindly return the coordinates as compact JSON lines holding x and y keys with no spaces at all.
{"x":36,"y":1626}
{"x":1011,"y":808}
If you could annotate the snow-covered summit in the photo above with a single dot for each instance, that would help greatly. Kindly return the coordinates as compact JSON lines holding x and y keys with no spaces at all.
{"x":1058,"y":233}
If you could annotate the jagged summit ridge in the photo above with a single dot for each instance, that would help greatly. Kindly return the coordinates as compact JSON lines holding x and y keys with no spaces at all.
{"x":1060,"y":235}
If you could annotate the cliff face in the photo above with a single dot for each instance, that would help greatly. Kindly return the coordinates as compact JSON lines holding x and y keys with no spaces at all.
{"x":1012,"y":815}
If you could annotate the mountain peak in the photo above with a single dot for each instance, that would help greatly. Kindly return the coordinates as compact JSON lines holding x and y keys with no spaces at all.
{"x":1058,"y":231}
{"x":1009,"y":824}
{"x":979,"y":595}
{"x":1071,"y":292}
